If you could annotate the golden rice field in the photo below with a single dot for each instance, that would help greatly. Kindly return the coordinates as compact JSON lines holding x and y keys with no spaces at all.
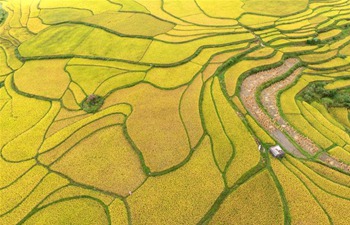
{"x":172,"y":140}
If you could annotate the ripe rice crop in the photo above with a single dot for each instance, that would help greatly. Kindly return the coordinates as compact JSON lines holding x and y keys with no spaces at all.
{"x":170,"y":140}
{"x":193,"y":190}
{"x":108,"y":170}
{"x":261,"y":193}
{"x":298,"y":197}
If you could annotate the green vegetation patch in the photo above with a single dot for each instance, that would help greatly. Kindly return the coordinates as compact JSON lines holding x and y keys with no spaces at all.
{"x":3,"y":14}
{"x":313,"y":41}
{"x":92,"y":103}
{"x":330,"y":98}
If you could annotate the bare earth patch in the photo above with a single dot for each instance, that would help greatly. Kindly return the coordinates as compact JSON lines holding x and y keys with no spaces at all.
{"x":272,"y":121}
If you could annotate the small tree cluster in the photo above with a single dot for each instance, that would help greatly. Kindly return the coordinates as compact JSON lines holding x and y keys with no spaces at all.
{"x":92,"y":103}
{"x":330,"y":98}
{"x":342,"y":56}
{"x":313,"y":41}
{"x":2,"y":14}
{"x":92,"y":99}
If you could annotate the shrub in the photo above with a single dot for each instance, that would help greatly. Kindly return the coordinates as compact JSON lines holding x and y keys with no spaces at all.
{"x":313,"y":41}
{"x":327,"y":102}
{"x":92,"y":103}
{"x":3,"y":14}
{"x":316,"y":92}
{"x":342,"y":56}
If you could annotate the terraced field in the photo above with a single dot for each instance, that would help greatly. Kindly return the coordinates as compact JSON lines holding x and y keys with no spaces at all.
{"x":162,"y":111}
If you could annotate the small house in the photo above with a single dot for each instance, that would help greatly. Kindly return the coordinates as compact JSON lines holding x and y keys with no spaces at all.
{"x":277,"y":151}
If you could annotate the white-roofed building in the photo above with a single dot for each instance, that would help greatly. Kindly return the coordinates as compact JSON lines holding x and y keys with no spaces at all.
{"x":277,"y":151}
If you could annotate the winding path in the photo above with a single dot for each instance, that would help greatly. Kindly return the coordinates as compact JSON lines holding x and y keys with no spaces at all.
{"x":272,"y":121}
{"x":269,"y":100}
{"x":248,"y":94}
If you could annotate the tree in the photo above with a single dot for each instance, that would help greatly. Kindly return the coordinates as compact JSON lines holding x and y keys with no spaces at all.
{"x":92,"y":103}
{"x":3,"y":14}
{"x":313,"y":41}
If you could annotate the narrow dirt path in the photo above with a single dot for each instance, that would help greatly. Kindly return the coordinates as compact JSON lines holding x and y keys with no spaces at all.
{"x":324,"y":157}
{"x":269,"y":100}
{"x":247,"y":94}
{"x":277,"y":126}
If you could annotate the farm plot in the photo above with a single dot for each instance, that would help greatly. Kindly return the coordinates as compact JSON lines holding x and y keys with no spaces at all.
{"x":182,"y":93}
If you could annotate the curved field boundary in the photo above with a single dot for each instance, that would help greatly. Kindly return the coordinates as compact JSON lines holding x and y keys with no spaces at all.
{"x":269,"y":100}
{"x":247,"y":94}
{"x":191,"y":56}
